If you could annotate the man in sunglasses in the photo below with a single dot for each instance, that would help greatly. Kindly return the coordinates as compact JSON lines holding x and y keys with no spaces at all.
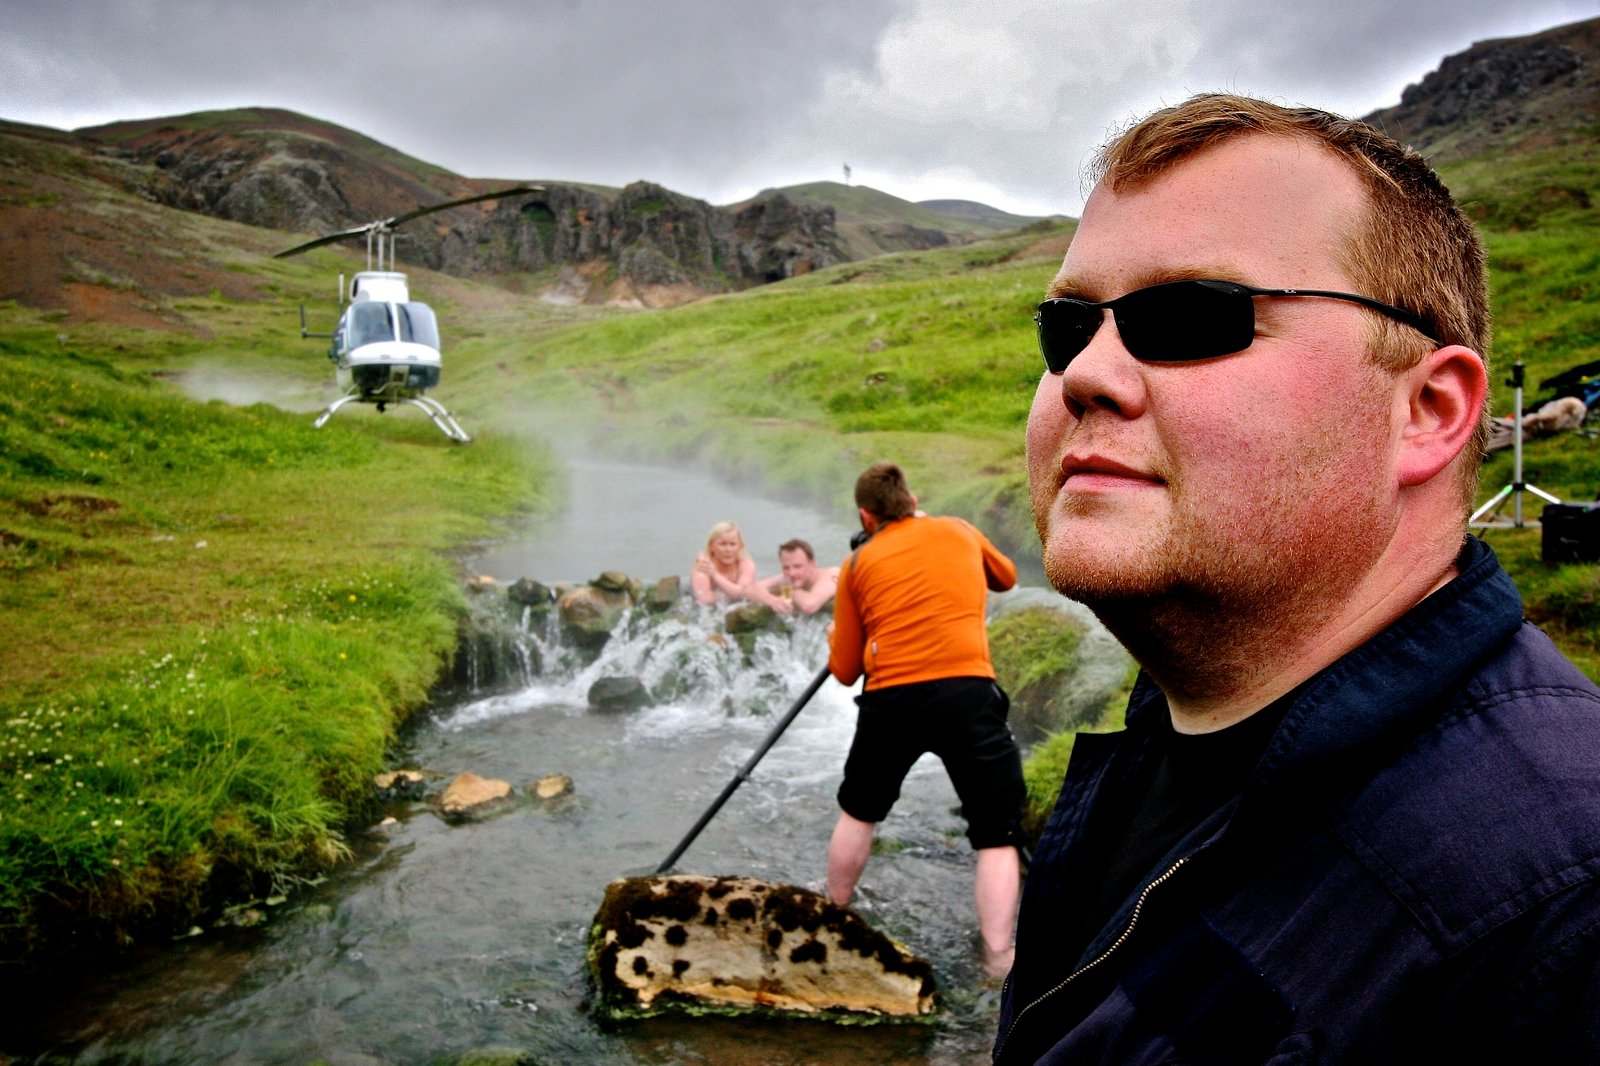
{"x":1355,"y":813}
{"x":909,"y":614}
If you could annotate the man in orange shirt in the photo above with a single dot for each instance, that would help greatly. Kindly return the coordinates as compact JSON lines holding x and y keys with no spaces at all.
{"x":909,"y":614}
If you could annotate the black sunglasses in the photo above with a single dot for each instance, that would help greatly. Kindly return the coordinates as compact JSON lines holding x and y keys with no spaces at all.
{"x":1178,"y":321}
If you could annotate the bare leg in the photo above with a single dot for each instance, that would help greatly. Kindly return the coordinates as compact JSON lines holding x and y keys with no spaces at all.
{"x":847,"y":856}
{"x":999,"y":885}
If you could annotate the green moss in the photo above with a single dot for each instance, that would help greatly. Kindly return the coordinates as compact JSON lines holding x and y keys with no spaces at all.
{"x":1032,"y":646}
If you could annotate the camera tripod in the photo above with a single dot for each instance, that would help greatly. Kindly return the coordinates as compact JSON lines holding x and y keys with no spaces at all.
{"x":1517,"y":486}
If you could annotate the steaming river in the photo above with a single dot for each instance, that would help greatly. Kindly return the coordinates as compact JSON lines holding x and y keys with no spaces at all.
{"x":440,"y":939}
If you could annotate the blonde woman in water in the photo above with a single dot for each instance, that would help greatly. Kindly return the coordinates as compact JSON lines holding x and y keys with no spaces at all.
{"x":725,"y":568}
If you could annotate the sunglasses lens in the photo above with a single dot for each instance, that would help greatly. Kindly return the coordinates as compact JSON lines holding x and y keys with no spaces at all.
{"x":1065,"y":327}
{"x":1186,"y":320}
{"x":1178,"y":322}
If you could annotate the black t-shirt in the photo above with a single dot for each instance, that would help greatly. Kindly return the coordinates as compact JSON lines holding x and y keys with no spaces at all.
{"x":1184,"y":780}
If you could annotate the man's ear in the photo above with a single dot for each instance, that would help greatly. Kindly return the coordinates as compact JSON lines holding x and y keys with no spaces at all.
{"x":869,"y":522}
{"x":1445,"y":395}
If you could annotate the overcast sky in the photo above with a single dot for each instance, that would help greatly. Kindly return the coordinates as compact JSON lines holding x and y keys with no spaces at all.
{"x":998,"y":101}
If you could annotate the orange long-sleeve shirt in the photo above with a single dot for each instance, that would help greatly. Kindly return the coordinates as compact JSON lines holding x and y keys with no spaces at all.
{"x":910,"y":605}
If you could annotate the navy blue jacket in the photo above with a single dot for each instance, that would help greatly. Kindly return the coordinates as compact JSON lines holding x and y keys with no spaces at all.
{"x":1412,"y":873}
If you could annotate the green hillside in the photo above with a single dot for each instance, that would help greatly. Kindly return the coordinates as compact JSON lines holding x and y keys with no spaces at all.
{"x":871,"y":222}
{"x":979,"y":214}
{"x":861,"y":203}
{"x":260,"y":122}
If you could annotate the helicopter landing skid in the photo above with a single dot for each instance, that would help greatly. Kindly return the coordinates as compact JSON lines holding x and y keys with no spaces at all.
{"x":435,"y":410}
{"x":441,"y":418}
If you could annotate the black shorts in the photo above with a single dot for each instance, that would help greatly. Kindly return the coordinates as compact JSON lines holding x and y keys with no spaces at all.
{"x":960,"y":719}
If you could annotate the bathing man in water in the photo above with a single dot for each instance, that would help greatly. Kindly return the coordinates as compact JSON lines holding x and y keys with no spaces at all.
{"x":802,"y":586}
{"x":910,"y":615}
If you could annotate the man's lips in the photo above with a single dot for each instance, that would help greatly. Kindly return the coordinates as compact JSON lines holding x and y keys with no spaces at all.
{"x":1091,"y":471}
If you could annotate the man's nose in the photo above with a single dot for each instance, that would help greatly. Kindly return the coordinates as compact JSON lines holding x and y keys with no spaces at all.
{"x":1104,"y":375}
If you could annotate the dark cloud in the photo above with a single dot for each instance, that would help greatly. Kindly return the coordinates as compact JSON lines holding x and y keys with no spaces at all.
{"x":994,"y":99}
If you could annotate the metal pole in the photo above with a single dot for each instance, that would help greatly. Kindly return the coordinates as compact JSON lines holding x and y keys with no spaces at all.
{"x":744,"y":771}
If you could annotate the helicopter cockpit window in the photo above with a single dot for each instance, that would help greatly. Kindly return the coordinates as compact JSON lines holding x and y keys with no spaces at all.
{"x":370,"y":323}
{"x":417,"y":323}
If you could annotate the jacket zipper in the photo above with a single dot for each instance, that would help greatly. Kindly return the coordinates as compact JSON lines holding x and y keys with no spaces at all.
{"x":1122,"y":938}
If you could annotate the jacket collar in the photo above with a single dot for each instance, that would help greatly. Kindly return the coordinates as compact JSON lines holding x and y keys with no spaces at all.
{"x":1389,"y":681}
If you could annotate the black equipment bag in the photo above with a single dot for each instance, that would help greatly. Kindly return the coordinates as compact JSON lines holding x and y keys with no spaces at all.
{"x":1570,"y":533}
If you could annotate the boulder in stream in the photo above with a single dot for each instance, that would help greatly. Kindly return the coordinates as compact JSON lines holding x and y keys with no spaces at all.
{"x":550,"y":786}
{"x":1056,"y":661}
{"x":664,"y":594}
{"x":403,"y":784}
{"x":619,"y":693}
{"x":617,"y":581}
{"x":527,"y":592}
{"x":736,"y":945}
{"x":469,"y":796}
{"x":589,"y":614}
{"x":749,"y":618}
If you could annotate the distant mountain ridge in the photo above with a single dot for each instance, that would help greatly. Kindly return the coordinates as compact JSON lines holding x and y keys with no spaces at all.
{"x":869,"y":222}
{"x":81,"y":229}
{"x":643,"y":243}
{"x":980,"y":214}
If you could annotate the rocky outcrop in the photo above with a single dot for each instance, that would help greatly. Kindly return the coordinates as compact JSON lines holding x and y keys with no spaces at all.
{"x":738,"y":945}
{"x":1542,"y":89}
{"x":644,"y":244}
{"x":775,"y":238}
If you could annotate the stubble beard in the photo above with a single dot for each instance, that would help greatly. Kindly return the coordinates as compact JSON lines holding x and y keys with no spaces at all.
{"x":1205,"y":592}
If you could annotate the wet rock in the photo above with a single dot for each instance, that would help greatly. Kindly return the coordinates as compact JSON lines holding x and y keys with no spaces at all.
{"x":737,"y":945}
{"x":590,"y":613}
{"x":749,"y":618}
{"x":527,"y":592}
{"x":1055,"y":660}
{"x":551,"y":786}
{"x":617,"y":581}
{"x":404,"y":785}
{"x":470,"y":796}
{"x":489,"y":653}
{"x":747,"y":621}
{"x":663,"y":595}
{"x":618,"y":694}
{"x":482,"y":583}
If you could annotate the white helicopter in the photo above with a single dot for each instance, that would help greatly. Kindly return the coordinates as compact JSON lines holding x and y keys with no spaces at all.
{"x":385,"y":348}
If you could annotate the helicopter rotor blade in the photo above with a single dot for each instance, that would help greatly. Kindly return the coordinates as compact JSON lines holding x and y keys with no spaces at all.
{"x":384,"y":225}
{"x":420,"y":211}
{"x":331,"y":237}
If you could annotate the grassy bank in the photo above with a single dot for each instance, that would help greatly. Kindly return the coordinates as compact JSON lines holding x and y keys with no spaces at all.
{"x":216,"y":618}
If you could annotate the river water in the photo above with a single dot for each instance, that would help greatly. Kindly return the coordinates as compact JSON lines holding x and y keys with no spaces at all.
{"x":440,"y":939}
